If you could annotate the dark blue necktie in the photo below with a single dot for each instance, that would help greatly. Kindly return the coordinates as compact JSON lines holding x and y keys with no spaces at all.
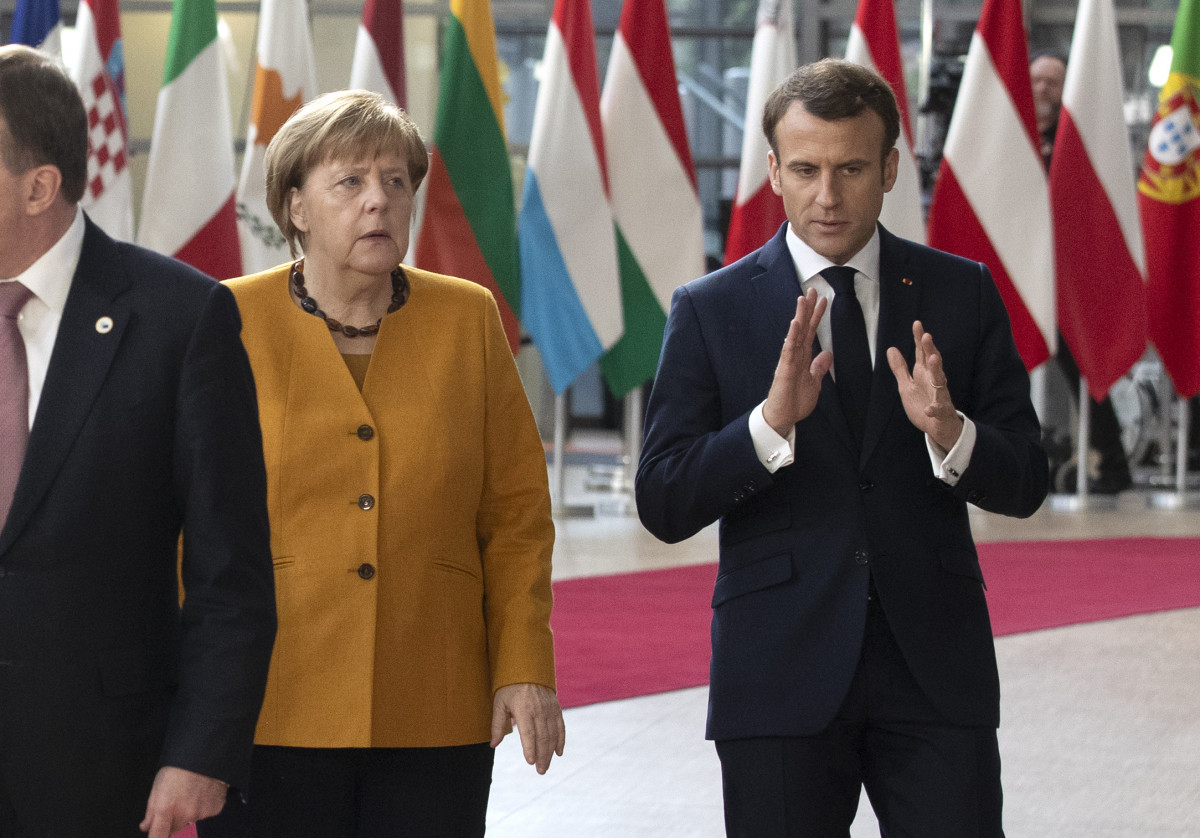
{"x":851,"y":352}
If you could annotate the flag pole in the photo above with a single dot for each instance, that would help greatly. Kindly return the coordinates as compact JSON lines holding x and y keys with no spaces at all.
{"x":1179,"y":497}
{"x":559,"y":508}
{"x":1081,"y":500}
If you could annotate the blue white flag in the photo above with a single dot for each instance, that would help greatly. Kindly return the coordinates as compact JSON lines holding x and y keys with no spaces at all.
{"x":38,"y":23}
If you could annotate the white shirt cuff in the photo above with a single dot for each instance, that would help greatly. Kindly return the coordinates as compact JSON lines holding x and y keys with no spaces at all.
{"x":773,"y":450}
{"x":948,"y":466}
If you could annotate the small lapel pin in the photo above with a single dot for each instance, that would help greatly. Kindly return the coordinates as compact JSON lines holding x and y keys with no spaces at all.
{"x":104,"y":325}
{"x":906,"y":281}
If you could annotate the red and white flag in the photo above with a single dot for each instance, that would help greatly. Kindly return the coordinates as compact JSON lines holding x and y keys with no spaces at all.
{"x":1097,"y":236}
{"x":991,"y":202}
{"x":378,"y":63}
{"x":757,"y":210}
{"x":875,"y":42}
{"x":98,"y":69}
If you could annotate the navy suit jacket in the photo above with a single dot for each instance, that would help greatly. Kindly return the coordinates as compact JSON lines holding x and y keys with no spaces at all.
{"x":142,"y":429}
{"x":797,"y":547}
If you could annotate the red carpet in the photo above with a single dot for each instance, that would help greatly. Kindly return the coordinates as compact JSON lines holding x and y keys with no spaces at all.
{"x":641,"y":633}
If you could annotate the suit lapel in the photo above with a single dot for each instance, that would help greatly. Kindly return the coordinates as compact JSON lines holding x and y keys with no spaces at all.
{"x":899,"y":298}
{"x":93,"y":323}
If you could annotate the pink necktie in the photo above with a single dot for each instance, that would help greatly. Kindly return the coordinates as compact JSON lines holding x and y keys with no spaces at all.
{"x":14,"y":392}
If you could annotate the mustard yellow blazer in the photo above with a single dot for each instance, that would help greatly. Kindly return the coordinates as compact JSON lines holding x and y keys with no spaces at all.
{"x":410,"y":523}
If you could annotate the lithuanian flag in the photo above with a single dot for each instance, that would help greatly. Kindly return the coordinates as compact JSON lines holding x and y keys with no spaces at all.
{"x":1169,"y":200}
{"x":469,"y":227}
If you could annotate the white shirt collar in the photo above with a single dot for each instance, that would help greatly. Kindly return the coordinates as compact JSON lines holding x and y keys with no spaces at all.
{"x":809,"y":263}
{"x":49,"y":278}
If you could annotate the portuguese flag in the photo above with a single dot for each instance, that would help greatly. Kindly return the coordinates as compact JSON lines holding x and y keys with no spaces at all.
{"x":469,"y":227}
{"x":1169,"y":199}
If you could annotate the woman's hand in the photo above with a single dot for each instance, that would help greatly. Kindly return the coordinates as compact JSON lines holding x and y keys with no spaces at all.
{"x":534,"y":710}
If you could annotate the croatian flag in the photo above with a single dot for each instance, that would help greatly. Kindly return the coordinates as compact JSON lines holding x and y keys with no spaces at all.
{"x":570,"y":291}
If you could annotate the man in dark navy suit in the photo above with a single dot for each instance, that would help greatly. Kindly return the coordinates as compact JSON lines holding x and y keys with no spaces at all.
{"x":851,"y":641}
{"x":127,"y":413}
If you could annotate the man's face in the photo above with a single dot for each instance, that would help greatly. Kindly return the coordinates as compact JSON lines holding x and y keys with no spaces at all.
{"x":12,"y":214}
{"x":1047,"y":74}
{"x":832,"y":177}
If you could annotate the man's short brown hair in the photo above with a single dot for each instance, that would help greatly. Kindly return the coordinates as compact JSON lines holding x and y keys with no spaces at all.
{"x":44,"y":122}
{"x":833,"y":89}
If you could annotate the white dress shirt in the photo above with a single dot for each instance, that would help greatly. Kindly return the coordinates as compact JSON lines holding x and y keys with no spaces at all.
{"x":49,"y":278}
{"x":775,"y":451}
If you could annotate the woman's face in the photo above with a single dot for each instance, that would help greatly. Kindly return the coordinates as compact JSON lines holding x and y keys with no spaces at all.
{"x":355,"y":214}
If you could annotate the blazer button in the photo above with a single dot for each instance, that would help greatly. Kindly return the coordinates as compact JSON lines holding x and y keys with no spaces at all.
{"x":860,"y":556}
{"x":365,"y":501}
{"x":366,"y":571}
{"x":365,"y":432}
{"x":866,"y":486}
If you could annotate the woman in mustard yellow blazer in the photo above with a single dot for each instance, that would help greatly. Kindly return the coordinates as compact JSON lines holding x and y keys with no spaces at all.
{"x":410,"y":512}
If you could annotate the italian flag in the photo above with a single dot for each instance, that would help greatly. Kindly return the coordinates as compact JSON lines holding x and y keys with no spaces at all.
{"x":469,"y":227}
{"x":660,"y":230}
{"x":188,"y":207}
{"x":1169,"y":198}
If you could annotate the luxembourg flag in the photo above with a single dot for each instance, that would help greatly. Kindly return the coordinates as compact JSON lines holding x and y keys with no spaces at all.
{"x":874,"y":42}
{"x":570,"y":292}
{"x":991,"y":202}
{"x":99,"y":73}
{"x":378,"y":62}
{"x":1101,"y":258}
{"x":285,"y":77}
{"x":757,"y":210}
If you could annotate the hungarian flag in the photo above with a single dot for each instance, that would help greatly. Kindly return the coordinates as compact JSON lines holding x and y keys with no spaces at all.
{"x":757,"y":210}
{"x":285,"y":77}
{"x":99,"y":72}
{"x":570,"y":291}
{"x":660,"y":229}
{"x":875,"y":42}
{"x":991,"y":202}
{"x":188,"y":206}
{"x":38,"y":23}
{"x":1098,"y":241}
{"x":469,"y":225}
{"x":378,"y":62}
{"x":1169,"y":198}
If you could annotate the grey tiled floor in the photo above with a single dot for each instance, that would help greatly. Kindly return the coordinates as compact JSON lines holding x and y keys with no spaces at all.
{"x":1100,"y":734}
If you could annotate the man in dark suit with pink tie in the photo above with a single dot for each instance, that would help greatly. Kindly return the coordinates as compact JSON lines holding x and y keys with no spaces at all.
{"x":127,"y":414}
{"x":836,"y":399}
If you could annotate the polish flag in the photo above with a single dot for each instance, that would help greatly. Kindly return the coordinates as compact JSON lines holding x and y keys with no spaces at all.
{"x":570,"y":287}
{"x":757,"y":210}
{"x":875,"y":43}
{"x":991,"y":202}
{"x":378,"y":63}
{"x":1101,"y":259}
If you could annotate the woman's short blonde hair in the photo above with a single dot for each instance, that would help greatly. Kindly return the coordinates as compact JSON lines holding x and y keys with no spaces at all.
{"x":346,"y":125}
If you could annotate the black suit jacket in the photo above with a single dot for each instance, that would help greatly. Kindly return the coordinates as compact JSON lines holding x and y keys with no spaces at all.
{"x":797,"y":547}
{"x":143,"y":428}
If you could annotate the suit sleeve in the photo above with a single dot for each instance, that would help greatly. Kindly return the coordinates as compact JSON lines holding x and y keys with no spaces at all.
{"x":696,"y":463}
{"x":513,"y":524}
{"x":228,"y":614}
{"x":1008,"y":473}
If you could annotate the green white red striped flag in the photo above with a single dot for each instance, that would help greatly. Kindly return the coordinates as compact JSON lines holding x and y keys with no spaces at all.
{"x":188,"y":205}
